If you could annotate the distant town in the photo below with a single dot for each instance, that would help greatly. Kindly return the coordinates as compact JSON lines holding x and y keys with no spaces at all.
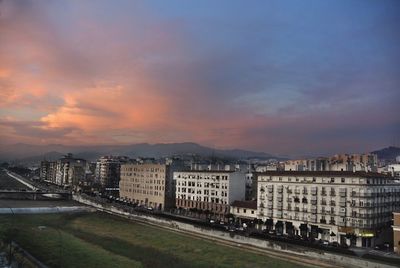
{"x":342,"y":201}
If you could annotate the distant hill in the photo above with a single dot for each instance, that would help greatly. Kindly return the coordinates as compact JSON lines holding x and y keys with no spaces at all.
{"x":34,"y":153}
{"x":389,"y":153}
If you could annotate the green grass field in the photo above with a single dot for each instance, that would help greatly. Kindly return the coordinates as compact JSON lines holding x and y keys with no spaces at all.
{"x":101,"y":240}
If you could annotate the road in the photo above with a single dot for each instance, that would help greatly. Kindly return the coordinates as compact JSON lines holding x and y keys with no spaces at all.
{"x":9,"y":183}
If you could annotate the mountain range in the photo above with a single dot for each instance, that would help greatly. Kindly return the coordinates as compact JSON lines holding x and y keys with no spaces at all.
{"x":26,"y":153}
{"x":388,"y":153}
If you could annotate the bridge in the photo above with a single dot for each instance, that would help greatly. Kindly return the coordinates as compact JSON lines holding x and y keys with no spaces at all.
{"x":35,"y":195}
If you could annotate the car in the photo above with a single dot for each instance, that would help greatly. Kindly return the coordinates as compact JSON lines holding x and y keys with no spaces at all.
{"x":323,"y":242}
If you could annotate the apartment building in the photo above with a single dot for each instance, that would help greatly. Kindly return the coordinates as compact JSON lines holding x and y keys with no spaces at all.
{"x":211,"y":191}
{"x":149,"y":184}
{"x":354,"y":208}
{"x":66,"y":171}
{"x":48,"y":171}
{"x":396,"y":232}
{"x":107,"y":171}
{"x":339,"y":162}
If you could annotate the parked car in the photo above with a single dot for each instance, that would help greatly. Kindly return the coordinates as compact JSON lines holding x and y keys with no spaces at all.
{"x":323,"y":242}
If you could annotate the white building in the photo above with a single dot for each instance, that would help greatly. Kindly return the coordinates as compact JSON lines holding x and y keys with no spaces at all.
{"x":339,"y":162}
{"x":347,"y":207}
{"x":210,"y":191}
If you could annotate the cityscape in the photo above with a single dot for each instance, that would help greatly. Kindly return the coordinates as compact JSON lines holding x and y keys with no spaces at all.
{"x":199,"y":134}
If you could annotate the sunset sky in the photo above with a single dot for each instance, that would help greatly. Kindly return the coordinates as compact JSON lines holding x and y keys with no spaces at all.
{"x":284,"y":77}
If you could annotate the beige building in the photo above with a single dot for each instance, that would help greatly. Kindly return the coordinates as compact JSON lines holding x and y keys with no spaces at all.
{"x":396,"y":232}
{"x":149,"y":185}
{"x":353,"y":208}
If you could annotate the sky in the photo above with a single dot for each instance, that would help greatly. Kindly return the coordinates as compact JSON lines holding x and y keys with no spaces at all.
{"x":287,"y":77}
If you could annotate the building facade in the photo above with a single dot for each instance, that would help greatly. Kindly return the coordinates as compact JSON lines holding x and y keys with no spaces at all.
{"x":66,"y":169}
{"x":211,"y":191}
{"x":107,"y":171}
{"x":339,"y":162}
{"x":148,"y":184}
{"x":48,"y":171}
{"x":396,"y":232}
{"x":351,"y":208}
{"x":244,"y":210}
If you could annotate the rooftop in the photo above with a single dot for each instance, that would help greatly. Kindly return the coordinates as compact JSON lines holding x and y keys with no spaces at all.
{"x":325,"y":174}
{"x":207,"y":171}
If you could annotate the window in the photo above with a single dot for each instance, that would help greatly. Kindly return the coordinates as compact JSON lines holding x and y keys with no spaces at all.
{"x":332,"y":179}
{"x":244,"y":210}
{"x":343,"y":180}
{"x":252,"y":212}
